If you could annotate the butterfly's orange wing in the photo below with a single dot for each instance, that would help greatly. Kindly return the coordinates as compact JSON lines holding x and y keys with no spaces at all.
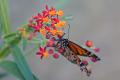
{"x":78,"y":50}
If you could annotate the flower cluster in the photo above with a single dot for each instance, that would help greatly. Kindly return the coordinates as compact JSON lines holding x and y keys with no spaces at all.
{"x":49,"y":24}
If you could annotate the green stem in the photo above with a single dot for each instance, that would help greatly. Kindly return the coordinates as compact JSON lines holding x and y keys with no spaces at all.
{"x":4,"y":16}
{"x":21,"y":62}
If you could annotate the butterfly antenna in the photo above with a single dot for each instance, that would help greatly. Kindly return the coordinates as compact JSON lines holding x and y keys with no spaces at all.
{"x":68,"y":30}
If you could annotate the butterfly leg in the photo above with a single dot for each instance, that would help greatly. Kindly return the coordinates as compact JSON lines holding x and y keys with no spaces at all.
{"x":85,"y":68}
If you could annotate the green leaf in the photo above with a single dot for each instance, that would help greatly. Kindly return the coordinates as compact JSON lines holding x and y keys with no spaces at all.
{"x":11,"y":68}
{"x":5,"y":49}
{"x":21,"y":62}
{"x":13,"y":40}
{"x":6,"y":36}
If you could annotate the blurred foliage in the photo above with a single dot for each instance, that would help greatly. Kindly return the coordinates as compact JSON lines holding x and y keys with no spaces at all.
{"x":2,"y":75}
{"x":13,"y":69}
{"x":10,"y":46}
{"x":5,"y":22}
{"x":21,"y":63}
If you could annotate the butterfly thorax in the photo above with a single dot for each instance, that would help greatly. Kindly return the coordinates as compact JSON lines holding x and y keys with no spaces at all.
{"x":63,"y":43}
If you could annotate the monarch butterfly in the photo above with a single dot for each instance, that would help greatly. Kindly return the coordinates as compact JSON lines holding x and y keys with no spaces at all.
{"x":72,"y":51}
{"x":76,"y":49}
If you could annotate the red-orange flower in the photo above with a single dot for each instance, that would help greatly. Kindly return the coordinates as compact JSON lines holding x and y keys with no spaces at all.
{"x":42,"y":52}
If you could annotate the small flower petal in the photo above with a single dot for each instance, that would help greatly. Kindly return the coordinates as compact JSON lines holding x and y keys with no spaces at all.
{"x":60,"y":13}
{"x":43,"y":31}
{"x":45,"y":54}
{"x":54,"y":32}
{"x":56,"y":56}
{"x":45,"y":19}
{"x":51,"y":51}
{"x":52,"y":12}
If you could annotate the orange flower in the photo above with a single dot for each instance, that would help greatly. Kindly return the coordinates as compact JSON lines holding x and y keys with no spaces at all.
{"x":45,"y":19}
{"x":45,"y":54}
{"x":52,"y":12}
{"x":43,"y":31}
{"x":58,"y":25}
{"x":60,"y":32}
{"x":60,"y":13}
{"x":54,"y":32}
{"x":62,"y":23}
